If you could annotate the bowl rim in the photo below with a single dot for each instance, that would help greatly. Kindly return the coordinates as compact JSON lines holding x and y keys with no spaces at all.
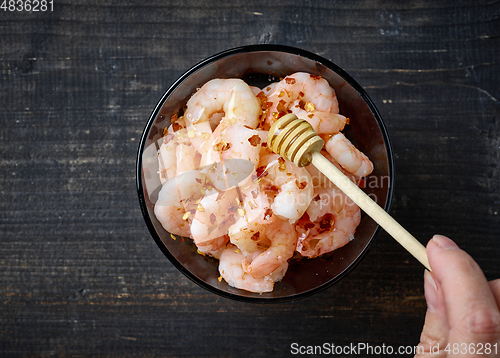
{"x":262,"y":48}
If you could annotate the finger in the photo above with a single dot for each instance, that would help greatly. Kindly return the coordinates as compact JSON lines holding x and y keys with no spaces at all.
{"x":473,"y":314}
{"x":435,"y":331}
{"x":495,"y":289}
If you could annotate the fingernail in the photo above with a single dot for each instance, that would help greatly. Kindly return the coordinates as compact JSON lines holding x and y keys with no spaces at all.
{"x":444,"y":242}
{"x":430,"y":288}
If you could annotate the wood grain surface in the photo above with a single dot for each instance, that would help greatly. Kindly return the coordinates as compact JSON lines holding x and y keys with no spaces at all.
{"x":81,"y":275}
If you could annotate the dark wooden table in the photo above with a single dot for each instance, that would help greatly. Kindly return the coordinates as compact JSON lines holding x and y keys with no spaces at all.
{"x":81,"y":275}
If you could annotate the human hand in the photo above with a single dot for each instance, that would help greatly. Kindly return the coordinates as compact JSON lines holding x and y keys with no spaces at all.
{"x":463,"y":318}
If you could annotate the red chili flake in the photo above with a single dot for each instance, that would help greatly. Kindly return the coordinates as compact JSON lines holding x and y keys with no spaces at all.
{"x":198,"y":180}
{"x":261,"y":172}
{"x":261,"y":96}
{"x":326,"y":222}
{"x":301,"y":185}
{"x":316,"y":198}
{"x":301,"y":94}
{"x":281,"y":108}
{"x":315,"y":77}
{"x":264,"y":144}
{"x":254,"y":140}
{"x":290,"y":80}
{"x":267,"y":214}
{"x":255,"y":236}
{"x":272,"y":188}
{"x":213,"y":219}
{"x":222,"y":146}
{"x":176,"y":126}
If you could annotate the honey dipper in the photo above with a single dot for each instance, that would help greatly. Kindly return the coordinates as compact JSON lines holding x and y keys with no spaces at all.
{"x":295,"y":140}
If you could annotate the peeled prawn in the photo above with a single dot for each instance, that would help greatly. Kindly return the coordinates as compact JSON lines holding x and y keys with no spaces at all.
{"x":327,"y":198}
{"x":260,"y":230}
{"x":214,"y":215}
{"x":283,"y":241}
{"x":215,"y":247}
{"x":348,"y":156}
{"x":308,"y":92}
{"x":167,"y":162}
{"x":175,"y":199}
{"x":289,"y":185}
{"x":231,"y":96}
{"x":235,"y":141}
{"x":322,"y":122}
{"x":329,"y":232}
{"x":231,"y":270}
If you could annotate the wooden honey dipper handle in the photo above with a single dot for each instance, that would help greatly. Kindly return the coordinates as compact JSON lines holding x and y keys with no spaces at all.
{"x":295,"y":140}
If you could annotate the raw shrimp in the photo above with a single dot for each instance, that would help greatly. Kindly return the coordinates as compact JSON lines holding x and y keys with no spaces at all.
{"x":314,"y":91}
{"x":322,"y":122}
{"x":170,"y":217}
{"x":231,"y":96}
{"x":183,"y":197}
{"x":329,"y":232}
{"x":260,"y":230}
{"x":289,"y":185}
{"x":235,"y":141}
{"x":215,"y":248}
{"x":231,"y":270}
{"x":175,"y":199}
{"x":214,"y":214}
{"x":256,"y":210}
{"x":177,"y":155}
{"x":348,"y":156}
{"x":167,"y":161}
{"x":327,"y":198}
{"x":282,"y":238}
{"x":319,"y":179}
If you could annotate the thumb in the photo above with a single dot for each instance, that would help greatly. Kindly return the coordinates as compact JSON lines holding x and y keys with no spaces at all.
{"x":434,"y":335}
{"x":471,"y":309}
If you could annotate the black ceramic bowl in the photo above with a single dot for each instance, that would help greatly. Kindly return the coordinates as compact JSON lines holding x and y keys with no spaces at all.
{"x":257,"y":64}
